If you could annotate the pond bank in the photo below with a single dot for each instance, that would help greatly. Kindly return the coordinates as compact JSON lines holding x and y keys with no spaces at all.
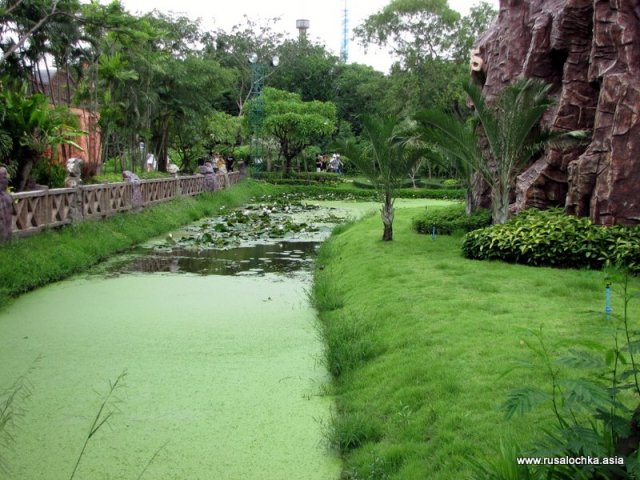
{"x":419,"y":340}
{"x":31,"y":262}
{"x":223,"y":378}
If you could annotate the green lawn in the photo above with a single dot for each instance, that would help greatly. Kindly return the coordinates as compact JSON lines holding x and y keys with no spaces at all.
{"x":419,"y":340}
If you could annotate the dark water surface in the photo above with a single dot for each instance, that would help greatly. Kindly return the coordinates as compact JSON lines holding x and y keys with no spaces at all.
{"x":278,"y":257}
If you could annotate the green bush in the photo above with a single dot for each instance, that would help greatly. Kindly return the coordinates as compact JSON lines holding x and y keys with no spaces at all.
{"x":451,"y":182}
{"x":50,"y":173}
{"x":551,"y":238}
{"x":408,"y":183}
{"x":448,"y":220}
{"x":299,"y":178}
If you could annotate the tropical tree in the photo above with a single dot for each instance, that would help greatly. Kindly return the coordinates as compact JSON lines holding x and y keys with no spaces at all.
{"x":513,"y":135}
{"x":510,"y":126}
{"x":455,"y":141}
{"x":383,"y":157}
{"x":33,"y":127}
{"x":428,"y":39}
{"x":232,"y":50}
{"x":296,"y":124}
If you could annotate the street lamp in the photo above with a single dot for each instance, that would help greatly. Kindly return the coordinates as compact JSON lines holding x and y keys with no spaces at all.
{"x":258,"y":74}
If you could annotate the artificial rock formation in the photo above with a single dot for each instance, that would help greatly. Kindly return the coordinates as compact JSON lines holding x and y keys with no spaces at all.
{"x":589,"y":51}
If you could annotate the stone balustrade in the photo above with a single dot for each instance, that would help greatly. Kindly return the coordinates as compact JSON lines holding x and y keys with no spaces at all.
{"x":35,"y":211}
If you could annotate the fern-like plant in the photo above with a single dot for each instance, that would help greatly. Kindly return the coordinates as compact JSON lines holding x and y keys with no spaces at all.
{"x":596,"y":412}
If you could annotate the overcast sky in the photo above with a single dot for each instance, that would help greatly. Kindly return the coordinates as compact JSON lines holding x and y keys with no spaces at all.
{"x":325,"y":18}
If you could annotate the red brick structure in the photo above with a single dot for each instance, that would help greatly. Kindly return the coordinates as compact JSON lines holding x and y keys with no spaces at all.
{"x":59,"y":86}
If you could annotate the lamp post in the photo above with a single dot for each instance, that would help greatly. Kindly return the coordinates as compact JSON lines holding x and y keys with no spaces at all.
{"x":258,"y":74}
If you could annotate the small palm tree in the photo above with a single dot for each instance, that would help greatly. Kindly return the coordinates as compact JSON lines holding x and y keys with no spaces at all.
{"x":384,"y":159}
{"x":455,"y":141}
{"x":510,"y":126}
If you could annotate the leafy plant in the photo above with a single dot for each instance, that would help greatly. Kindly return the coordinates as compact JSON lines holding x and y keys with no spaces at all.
{"x":594,"y":396}
{"x":551,"y":238}
{"x":50,"y":173}
{"x":384,"y":159}
{"x":448,"y":220}
{"x":350,"y":431}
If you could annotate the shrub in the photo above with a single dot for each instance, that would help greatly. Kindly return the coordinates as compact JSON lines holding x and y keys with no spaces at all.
{"x":552,"y":238}
{"x":50,"y":173}
{"x":448,"y":220}
{"x":300,"y":178}
{"x":408,"y":183}
{"x":451,"y":182}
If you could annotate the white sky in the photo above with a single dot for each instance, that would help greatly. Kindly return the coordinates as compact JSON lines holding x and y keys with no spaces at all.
{"x":325,"y":18}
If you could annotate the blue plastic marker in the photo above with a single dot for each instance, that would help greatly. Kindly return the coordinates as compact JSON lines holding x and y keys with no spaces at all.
{"x":433,"y":233}
{"x":607,"y":300}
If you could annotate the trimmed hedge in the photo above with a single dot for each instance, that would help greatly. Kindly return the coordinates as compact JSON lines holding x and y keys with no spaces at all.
{"x":448,"y":220}
{"x":304,"y":178}
{"x":551,"y":238}
{"x":408,"y":183}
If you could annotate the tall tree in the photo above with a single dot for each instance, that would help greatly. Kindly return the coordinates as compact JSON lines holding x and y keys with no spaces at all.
{"x":296,"y":124}
{"x":359,"y":89}
{"x":232,"y":50}
{"x":305,"y":68}
{"x":428,"y":39}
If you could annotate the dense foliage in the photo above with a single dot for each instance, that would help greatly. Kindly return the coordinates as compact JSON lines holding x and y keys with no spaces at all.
{"x":159,"y":84}
{"x":551,"y":238}
{"x":448,"y":220}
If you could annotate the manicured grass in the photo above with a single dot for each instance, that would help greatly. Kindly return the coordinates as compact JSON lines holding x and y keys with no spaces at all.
{"x":419,"y":340}
{"x":52,"y":255}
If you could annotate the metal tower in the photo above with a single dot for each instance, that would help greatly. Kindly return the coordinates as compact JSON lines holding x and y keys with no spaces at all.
{"x":344,"y":50}
{"x":302,"y":25}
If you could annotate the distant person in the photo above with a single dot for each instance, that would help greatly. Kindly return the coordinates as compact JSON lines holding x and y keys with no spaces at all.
{"x":333,"y":164}
{"x":230,"y":161}
{"x":318,"y":163}
{"x":323,"y":165}
{"x":152,"y":164}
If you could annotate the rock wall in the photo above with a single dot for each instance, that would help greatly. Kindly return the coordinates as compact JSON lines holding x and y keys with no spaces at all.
{"x":589,"y":50}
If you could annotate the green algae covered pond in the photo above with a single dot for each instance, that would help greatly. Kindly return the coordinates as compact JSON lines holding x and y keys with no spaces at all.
{"x":217,"y":353}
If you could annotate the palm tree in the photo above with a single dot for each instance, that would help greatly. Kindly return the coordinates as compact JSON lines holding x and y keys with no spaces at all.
{"x":455,"y":141}
{"x":384,"y":159}
{"x":510,"y":127}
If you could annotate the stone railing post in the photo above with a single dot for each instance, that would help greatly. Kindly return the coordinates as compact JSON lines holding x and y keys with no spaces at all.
{"x":136,"y":189}
{"x":210,"y":178}
{"x":74,"y":180}
{"x":6,"y":206}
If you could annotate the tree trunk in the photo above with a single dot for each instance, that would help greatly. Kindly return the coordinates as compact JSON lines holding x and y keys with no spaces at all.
{"x":287,"y":164}
{"x":387,"y":218}
{"x":500,"y":205}
{"x":470,"y":203}
{"x":24,"y":173}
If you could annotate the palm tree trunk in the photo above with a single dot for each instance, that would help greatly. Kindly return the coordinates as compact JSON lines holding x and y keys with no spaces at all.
{"x":387,"y":217}
{"x":470,"y":203}
{"x":499,"y":205}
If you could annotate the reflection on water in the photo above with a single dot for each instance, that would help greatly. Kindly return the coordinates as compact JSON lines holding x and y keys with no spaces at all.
{"x":280,"y":257}
{"x":184,"y":251}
